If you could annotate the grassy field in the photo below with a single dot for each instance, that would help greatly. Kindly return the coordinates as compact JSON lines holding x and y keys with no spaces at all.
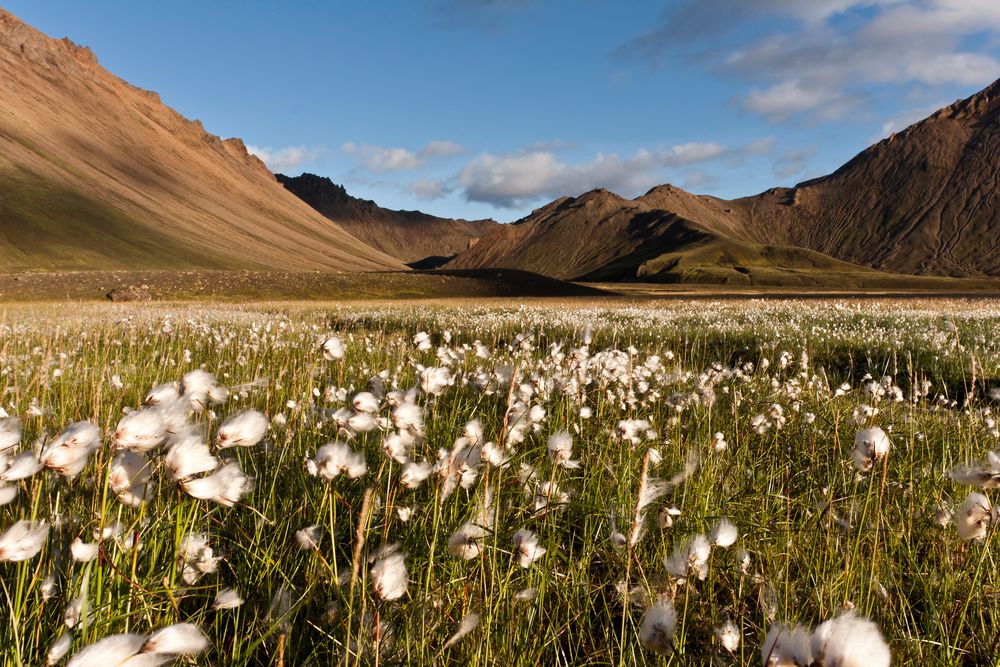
{"x":617,"y":507}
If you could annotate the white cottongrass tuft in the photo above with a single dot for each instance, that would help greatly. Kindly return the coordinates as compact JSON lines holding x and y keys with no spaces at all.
{"x":987,"y":476}
{"x":175,"y":640}
{"x":10,"y":433}
{"x":227,"y":598}
{"x":975,"y":517}
{"x":468,"y":624}
{"x":333,"y":349}
{"x":196,"y":558}
{"x":113,"y":650}
{"x":724,"y":533}
{"x":560,"y":448}
{"x":189,"y":455}
{"x":690,"y":559}
{"x":870,"y":445}
{"x":365,"y":401}
{"x":414,"y":473}
{"x":729,"y":636}
{"x":786,"y":646}
{"x":527,"y":548}
{"x":129,"y":477}
{"x":23,"y":540}
{"x":83,"y":552}
{"x":226,"y":486}
{"x":22,"y":466}
{"x":850,"y":641}
{"x":657,"y":628}
{"x":69,"y":452}
{"x":245,"y":429}
{"x":389,"y":576}
{"x":142,"y":430}
{"x":337,"y":458}
{"x":59,"y":648}
{"x":308,"y":538}
{"x":200,"y":389}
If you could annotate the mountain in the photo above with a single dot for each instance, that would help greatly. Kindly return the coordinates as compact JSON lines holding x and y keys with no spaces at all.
{"x":98,"y":174}
{"x":419,"y":239}
{"x":924,"y":201}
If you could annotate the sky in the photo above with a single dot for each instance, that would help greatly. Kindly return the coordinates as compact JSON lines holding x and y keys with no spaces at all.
{"x":491,"y":108}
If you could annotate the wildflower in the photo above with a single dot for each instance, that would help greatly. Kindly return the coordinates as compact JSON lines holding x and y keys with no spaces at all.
{"x":719,"y":443}
{"x":404,"y":513}
{"x":333,"y":349}
{"x":227,"y":598}
{"x":23,"y":540}
{"x":729,"y":636}
{"x":163,"y":394}
{"x":850,"y":641}
{"x":723,"y":534}
{"x":69,"y":452}
{"x":335,"y":458}
{"x":870,"y":445}
{"x":245,"y":429}
{"x":467,"y":625}
{"x":226,"y":486}
{"x":308,"y":538}
{"x":560,"y":449}
{"x":550,"y":496}
{"x":526,"y":594}
{"x":7,"y":494}
{"x":389,"y":576}
{"x":657,"y":628}
{"x":526,"y":548}
{"x":975,"y":517}
{"x":666,"y":517}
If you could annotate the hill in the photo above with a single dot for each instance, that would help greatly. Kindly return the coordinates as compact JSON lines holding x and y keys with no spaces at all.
{"x":921,"y":202}
{"x":419,"y":239}
{"x":98,"y":174}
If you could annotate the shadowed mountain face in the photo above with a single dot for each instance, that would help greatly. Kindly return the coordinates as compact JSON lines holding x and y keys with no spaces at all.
{"x":421,"y":240}
{"x":98,"y":174}
{"x":925,"y":201}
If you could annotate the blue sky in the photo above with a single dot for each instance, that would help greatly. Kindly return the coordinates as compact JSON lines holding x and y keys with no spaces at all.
{"x":490,"y":108}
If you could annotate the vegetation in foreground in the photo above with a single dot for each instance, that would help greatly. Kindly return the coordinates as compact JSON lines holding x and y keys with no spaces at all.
{"x":692,"y":484}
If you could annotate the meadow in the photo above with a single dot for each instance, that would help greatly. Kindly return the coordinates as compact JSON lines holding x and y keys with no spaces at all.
{"x":689,"y":483}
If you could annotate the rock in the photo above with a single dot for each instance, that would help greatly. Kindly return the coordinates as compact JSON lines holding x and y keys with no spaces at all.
{"x":130,"y":293}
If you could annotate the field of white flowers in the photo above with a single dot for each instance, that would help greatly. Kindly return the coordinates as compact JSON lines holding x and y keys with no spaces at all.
{"x":741,"y":483}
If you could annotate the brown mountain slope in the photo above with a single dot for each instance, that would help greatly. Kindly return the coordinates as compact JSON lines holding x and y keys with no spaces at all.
{"x":416,"y":238}
{"x":925,"y":201}
{"x":98,"y":174}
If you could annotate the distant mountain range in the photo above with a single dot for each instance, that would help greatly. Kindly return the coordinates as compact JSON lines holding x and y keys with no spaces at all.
{"x":422,"y":241}
{"x":98,"y":174}
{"x":924,"y":201}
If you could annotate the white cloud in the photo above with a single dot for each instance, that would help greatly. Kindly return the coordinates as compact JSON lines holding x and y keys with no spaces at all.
{"x":428,"y":189}
{"x":692,"y":152}
{"x":285,"y":159}
{"x":513,"y":180}
{"x":822,"y":58}
{"x":517,"y":179}
{"x":381,"y":159}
